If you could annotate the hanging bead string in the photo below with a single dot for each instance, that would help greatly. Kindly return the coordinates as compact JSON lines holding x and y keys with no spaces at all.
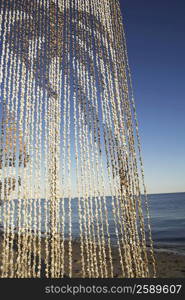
{"x":134,"y":166}
{"x":56,"y":124}
{"x":128,"y":191}
{"x":105,"y":96}
{"x":98,"y":190}
{"x":37,"y":182}
{"x":34,"y":136}
{"x":92,"y":123}
{"x":20,"y":142}
{"x":121,"y":158}
{"x":26,"y":219}
{"x":87,"y":189}
{"x":40,"y":153}
{"x":21,"y":230}
{"x":39,"y":164}
{"x":88,"y":114}
{"x":111,"y":148}
{"x":60,"y":253}
{"x":53,"y":176}
{"x":84,"y":112}
{"x":37,"y":109}
{"x":28,"y":146}
{"x":100,"y":85}
{"x":2,"y":105}
{"x":114,"y":149}
{"x":9,"y":151}
{"x":68,"y":7}
{"x":86,"y":84}
{"x":132,"y":150}
{"x":32,"y":254}
{"x":130,"y":216}
{"x":46,"y":147}
{"x":86,"y":159}
{"x":132,"y":213}
{"x":81,"y":194}
{"x":97,"y":50}
{"x":102,"y":189}
{"x":15,"y":91}
{"x":63,"y":146}
{"x":82,"y":164}
{"x":58,"y":146}
{"x":108,"y":30}
{"x":82,"y":115}
{"x":51,"y":192}
{"x":67,"y":161}
{"x":11,"y":139}
{"x":130,"y":206}
{"x":93,"y":55}
{"x":92,"y":180}
{"x":86,"y":194}
{"x":95,"y":123}
{"x":130,"y":233}
{"x":77,"y":134}
{"x":36,"y":158}
{"x":131,"y":143}
{"x":54,"y":149}
{"x":32,"y":174}
{"x":26,"y":240}
{"x":5,"y":159}
{"x":138,"y":141}
{"x":3,"y":140}
{"x":64,"y":105}
{"x":58,"y":88}
{"x":52,"y":153}
{"x":97,"y":40}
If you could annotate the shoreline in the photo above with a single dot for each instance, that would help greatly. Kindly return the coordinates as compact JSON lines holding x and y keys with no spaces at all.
{"x":168,"y":264}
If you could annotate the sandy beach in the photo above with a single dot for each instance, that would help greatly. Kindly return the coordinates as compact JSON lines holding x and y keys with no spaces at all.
{"x":169,"y":265}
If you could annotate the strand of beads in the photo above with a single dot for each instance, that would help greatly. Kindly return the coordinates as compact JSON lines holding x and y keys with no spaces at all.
{"x":46,"y":159}
{"x":63,"y":145}
{"x":46,"y":151}
{"x":129,"y":190}
{"x":10,"y":145}
{"x":76,"y":135}
{"x":81,"y":107}
{"x":29,"y":147}
{"x":87,"y":112}
{"x":118,"y":145}
{"x":104,"y":95}
{"x":5,"y":147}
{"x":94,"y":126}
{"x":133,"y":164}
{"x":138,"y":138}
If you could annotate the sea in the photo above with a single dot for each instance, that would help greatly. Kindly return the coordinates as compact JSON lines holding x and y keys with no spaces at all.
{"x":167,"y":215}
{"x":168,"y":221}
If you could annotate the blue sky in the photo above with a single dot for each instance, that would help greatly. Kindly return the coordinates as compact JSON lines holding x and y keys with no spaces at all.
{"x":155,"y":33}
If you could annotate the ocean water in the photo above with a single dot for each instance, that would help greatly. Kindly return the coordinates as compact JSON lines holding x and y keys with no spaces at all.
{"x":167,"y":219}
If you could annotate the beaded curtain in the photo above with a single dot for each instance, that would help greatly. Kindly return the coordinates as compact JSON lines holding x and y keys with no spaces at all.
{"x":69,"y":134}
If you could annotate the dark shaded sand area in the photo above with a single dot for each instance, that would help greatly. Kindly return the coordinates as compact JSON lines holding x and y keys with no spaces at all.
{"x":169,"y":265}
